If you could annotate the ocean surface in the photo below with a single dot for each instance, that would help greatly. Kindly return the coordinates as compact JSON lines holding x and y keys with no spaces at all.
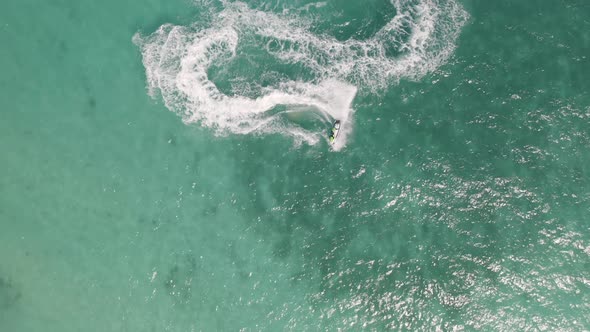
{"x":165,"y":165}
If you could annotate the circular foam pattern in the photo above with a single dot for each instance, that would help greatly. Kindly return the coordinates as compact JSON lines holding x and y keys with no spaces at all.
{"x":279,"y":60}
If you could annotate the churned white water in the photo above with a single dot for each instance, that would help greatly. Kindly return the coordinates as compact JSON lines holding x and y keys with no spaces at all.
{"x":178,"y":59}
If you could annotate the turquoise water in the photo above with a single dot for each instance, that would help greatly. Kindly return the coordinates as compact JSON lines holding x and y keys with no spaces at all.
{"x":151,"y":183}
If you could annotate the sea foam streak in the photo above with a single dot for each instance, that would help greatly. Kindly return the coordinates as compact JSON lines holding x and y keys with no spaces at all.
{"x":178,"y":61}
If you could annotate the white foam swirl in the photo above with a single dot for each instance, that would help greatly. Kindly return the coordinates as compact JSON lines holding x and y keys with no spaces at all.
{"x":178,"y":60}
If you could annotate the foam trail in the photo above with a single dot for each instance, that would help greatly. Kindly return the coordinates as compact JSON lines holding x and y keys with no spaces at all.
{"x":178,"y":60}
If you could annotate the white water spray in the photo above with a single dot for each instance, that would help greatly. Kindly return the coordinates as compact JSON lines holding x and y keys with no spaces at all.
{"x":178,"y":59}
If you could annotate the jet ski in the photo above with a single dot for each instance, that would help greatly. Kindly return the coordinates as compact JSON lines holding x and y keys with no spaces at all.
{"x":334,"y":131}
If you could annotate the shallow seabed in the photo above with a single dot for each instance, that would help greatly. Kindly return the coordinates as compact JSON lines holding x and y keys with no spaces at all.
{"x":139,"y":193}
